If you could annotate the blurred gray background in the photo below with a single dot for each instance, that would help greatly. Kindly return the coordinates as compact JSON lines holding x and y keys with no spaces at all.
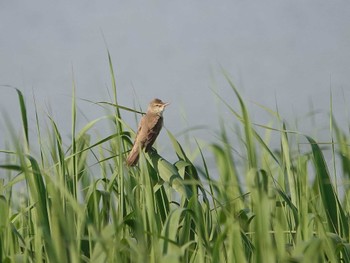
{"x":285,"y":55}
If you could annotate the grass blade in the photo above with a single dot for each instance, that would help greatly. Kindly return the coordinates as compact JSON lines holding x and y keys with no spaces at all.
{"x":337,"y":221}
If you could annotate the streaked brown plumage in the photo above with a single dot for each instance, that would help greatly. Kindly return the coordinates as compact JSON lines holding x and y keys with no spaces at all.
{"x":150,"y":125}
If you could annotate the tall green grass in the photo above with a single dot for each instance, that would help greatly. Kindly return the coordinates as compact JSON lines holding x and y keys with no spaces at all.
{"x":267,"y":205}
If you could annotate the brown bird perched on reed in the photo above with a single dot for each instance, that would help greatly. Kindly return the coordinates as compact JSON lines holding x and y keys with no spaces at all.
{"x":150,"y":125}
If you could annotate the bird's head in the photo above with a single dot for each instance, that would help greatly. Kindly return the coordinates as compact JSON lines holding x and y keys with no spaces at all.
{"x":157,"y":106}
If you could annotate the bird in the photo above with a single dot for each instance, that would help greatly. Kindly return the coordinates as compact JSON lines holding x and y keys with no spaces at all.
{"x":149,"y":127}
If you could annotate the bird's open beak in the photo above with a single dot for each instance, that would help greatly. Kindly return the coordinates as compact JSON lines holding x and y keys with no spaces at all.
{"x":166,"y":104}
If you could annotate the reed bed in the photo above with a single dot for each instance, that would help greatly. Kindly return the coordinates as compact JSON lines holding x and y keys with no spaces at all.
{"x":80,"y":203}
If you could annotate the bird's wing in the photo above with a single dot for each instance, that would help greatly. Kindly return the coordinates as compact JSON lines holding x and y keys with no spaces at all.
{"x":153,"y":131}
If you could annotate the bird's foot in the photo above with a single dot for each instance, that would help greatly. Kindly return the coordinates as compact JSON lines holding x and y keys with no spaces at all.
{"x":152,"y":151}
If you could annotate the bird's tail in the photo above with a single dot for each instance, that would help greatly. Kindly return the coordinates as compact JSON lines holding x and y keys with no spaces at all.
{"x":133,"y":155}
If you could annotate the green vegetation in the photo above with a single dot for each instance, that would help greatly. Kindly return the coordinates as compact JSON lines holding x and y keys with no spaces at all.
{"x":277,"y":206}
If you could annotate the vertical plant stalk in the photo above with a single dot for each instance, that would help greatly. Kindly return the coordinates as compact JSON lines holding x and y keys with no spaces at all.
{"x":74,"y":147}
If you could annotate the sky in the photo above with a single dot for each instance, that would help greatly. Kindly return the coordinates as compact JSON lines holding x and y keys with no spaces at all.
{"x":285,"y":55}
